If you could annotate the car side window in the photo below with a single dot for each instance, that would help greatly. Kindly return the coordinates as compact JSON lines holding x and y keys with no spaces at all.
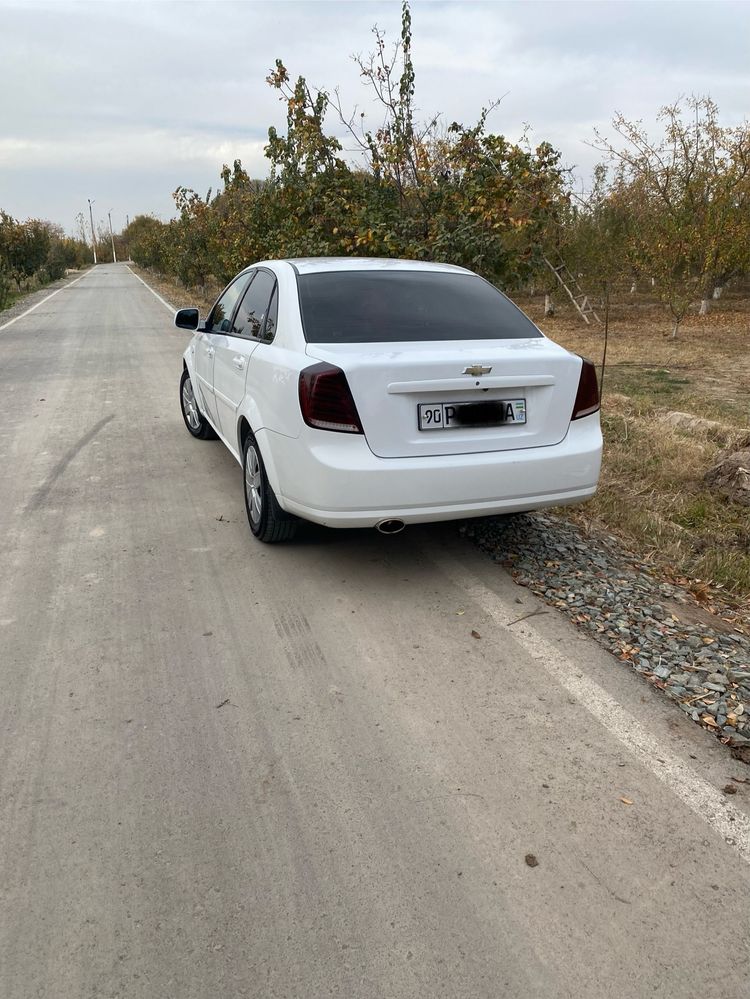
{"x":220,"y":319}
{"x":254,"y":312}
{"x":272,"y":318}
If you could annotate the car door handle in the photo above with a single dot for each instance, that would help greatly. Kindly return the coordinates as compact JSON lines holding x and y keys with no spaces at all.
{"x":239,"y":362}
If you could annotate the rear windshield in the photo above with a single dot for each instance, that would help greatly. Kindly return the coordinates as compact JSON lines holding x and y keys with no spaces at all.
{"x":398,"y":306}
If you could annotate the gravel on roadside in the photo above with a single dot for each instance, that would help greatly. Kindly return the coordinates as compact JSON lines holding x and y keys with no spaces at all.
{"x":696,"y":658}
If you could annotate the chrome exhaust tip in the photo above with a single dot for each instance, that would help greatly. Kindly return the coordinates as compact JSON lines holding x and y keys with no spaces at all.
{"x":390,"y":526}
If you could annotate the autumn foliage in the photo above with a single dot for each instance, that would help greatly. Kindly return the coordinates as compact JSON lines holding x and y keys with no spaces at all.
{"x":673,"y":212}
{"x":32,"y":253}
{"x":429,"y":192}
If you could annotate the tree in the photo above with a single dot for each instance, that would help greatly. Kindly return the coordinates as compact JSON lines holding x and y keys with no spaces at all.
{"x":421,"y":190}
{"x":147,"y":239}
{"x":687,"y":198}
{"x":305,"y":151}
{"x":456,"y":193}
{"x":24,"y":247}
{"x":32,"y":253}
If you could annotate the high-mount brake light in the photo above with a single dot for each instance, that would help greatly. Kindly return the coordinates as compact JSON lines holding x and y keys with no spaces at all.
{"x":326,"y":400}
{"x":587,"y":397}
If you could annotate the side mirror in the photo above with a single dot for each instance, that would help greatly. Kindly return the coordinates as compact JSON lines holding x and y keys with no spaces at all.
{"x":187,"y":319}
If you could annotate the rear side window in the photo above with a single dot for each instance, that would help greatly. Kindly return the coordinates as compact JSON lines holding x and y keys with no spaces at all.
{"x":250,"y":321}
{"x":402,"y":306}
{"x":272,"y":319}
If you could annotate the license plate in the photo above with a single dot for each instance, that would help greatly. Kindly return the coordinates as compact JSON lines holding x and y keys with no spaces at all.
{"x":454,"y":415}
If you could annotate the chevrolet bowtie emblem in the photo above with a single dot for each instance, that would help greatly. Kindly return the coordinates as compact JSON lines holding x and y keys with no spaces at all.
{"x":477,"y":369}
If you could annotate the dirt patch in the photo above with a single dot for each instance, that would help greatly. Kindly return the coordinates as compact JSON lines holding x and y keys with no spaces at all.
{"x":730,"y":476}
{"x":693,"y":613}
{"x":698,"y":426}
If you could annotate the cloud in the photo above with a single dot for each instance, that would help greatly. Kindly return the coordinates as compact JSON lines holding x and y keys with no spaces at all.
{"x":134,"y":99}
{"x":138,"y":150}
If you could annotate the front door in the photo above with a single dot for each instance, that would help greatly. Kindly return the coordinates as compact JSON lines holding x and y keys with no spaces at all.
{"x":217,"y":325}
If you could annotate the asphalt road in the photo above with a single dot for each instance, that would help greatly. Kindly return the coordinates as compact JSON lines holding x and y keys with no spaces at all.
{"x":234,"y":770}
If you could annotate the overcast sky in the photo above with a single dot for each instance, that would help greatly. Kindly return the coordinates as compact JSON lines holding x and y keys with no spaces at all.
{"x":122,"y":102}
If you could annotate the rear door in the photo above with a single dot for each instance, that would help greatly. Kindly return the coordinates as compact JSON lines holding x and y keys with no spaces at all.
{"x":217,"y":325}
{"x":234,"y":350}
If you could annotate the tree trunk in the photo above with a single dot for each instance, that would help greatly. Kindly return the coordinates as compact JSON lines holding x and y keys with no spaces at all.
{"x":705,"y":306}
{"x":675,"y":328}
{"x":549,"y":308}
{"x":717,"y":292}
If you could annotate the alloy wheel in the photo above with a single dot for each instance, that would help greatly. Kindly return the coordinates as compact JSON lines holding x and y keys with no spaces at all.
{"x":254,"y":485}
{"x":190,"y":406}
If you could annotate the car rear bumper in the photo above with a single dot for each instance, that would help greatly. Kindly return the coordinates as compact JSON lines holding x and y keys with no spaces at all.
{"x":336,"y":480}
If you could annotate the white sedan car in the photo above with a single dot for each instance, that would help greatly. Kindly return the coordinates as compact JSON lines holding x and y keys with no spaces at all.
{"x":358,"y":392}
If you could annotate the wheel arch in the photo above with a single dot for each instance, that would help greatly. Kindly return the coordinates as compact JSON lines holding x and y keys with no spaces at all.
{"x":188,"y":363}
{"x":261,"y":439}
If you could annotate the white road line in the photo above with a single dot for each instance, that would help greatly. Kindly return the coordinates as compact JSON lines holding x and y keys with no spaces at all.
{"x":701,"y":797}
{"x":163,"y":301}
{"x":64,"y":288}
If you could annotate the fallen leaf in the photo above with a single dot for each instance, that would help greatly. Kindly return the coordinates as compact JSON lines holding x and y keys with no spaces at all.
{"x":475,"y":634}
{"x":729,"y":789}
{"x":531,"y":860}
{"x":626,"y":801}
{"x":460,"y":613}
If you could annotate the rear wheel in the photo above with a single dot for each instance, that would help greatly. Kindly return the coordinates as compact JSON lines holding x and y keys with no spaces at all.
{"x":195,"y":421}
{"x":268,"y":522}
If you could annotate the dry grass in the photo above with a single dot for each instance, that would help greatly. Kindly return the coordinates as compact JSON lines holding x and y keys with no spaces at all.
{"x":177,"y":294}
{"x":652,"y":492}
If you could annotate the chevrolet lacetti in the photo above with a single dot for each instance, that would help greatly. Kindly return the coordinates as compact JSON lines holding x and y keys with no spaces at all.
{"x":358,"y":392}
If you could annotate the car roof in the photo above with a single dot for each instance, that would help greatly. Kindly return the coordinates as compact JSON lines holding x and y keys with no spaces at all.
{"x":316,"y":265}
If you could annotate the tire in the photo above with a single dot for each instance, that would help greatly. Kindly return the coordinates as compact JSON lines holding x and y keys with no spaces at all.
{"x":268,"y":522}
{"x":195,"y":421}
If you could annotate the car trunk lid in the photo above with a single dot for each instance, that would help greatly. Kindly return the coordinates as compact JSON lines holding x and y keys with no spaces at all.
{"x":390,"y":381}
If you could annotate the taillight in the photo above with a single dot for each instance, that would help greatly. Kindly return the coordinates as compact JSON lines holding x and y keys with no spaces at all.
{"x":587,"y":397}
{"x":326,"y":400}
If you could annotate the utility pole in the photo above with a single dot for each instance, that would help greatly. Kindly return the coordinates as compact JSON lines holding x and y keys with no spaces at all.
{"x":111,"y":236}
{"x":93,"y":234}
